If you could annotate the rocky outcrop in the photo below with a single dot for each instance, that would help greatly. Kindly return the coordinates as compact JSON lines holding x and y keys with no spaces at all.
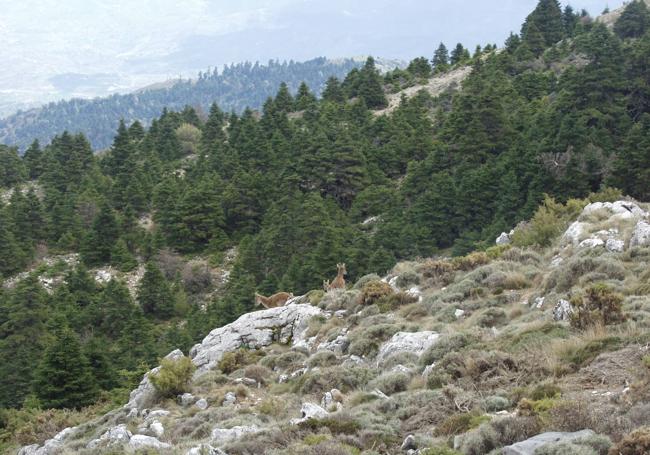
{"x":51,"y":446}
{"x":529,"y":446}
{"x":144,"y":395}
{"x":641,"y":234}
{"x":310,"y":411}
{"x":413,"y":342}
{"x":562,"y":310}
{"x":505,"y":238}
{"x":140,"y":441}
{"x":284,"y":324}
{"x":223,"y":435}
{"x":115,"y":436}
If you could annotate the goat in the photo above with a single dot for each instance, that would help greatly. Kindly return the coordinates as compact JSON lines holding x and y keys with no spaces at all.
{"x":276,"y":300}
{"x":339,"y":281}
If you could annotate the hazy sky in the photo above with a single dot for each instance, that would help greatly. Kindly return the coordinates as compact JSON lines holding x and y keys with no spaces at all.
{"x":58,"y":48}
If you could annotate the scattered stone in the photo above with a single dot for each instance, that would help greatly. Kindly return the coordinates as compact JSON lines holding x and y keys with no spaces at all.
{"x":573,"y":233}
{"x":504,"y":238}
{"x":114,"y":436}
{"x":186,"y":399}
{"x":620,"y":209}
{"x":413,"y":342}
{"x":615,"y":245}
{"x":283,"y":378}
{"x":157,"y":429}
{"x":341,"y":314}
{"x":459,"y":313}
{"x":556,"y":261}
{"x":205,"y":449}
{"x":538,"y":302}
{"x":202,"y":404}
{"x":310,"y":411}
{"x":223,"y":435}
{"x":338,"y":345}
{"x":529,"y":446}
{"x":401,"y":369}
{"x":562,"y":310}
{"x":641,"y":235}
{"x":592,"y":243}
{"x":250,"y":382}
{"x":428,"y":369}
{"x":229,"y":399}
{"x":140,"y":441}
{"x":155,"y":414}
{"x":353,"y":360}
{"x":409,"y":443}
{"x":379,"y":394}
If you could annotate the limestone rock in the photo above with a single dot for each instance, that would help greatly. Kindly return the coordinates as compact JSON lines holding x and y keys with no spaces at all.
{"x":205,"y":449}
{"x":255,"y":330}
{"x":310,"y":411}
{"x":157,"y":429}
{"x":338,"y":345}
{"x":503,"y":239}
{"x":223,"y":435}
{"x":140,"y":441}
{"x":592,"y":243}
{"x":459,"y":313}
{"x":573,"y":233}
{"x":51,"y":446}
{"x":409,"y":443}
{"x":114,"y":436}
{"x":641,"y":235}
{"x":413,"y":342}
{"x":615,"y":245}
{"x":562,"y":310}
{"x":229,"y":399}
{"x":620,"y":209}
{"x":145,"y":392}
{"x":529,"y":446}
{"x":202,"y":404}
{"x":186,"y":399}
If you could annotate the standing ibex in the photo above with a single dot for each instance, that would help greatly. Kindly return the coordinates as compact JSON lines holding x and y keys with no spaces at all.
{"x":339,"y":281}
{"x":276,"y":300}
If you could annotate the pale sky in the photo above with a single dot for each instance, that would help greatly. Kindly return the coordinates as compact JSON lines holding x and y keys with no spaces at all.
{"x":60,"y":48}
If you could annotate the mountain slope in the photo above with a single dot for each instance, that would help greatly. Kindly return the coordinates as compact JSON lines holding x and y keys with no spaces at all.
{"x":234,"y":88}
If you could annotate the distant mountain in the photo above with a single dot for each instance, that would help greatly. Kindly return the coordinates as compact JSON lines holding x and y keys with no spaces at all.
{"x":234,"y":88}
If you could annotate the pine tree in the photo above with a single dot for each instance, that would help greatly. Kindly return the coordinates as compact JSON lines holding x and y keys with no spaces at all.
{"x":304,"y":98}
{"x":22,"y":338}
{"x":333,"y":91}
{"x":459,"y":55}
{"x":155,"y":295}
{"x":440,"y":61}
{"x":122,"y":258}
{"x":100,"y":240}
{"x":33,"y":159}
{"x":370,"y":88}
{"x":420,"y":67}
{"x":12,"y":169}
{"x":634,"y":21}
{"x":544,"y":27}
{"x":64,"y":378}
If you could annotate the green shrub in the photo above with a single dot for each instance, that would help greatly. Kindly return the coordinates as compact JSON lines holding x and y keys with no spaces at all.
{"x":339,"y":425}
{"x":391,"y":382}
{"x":439,"y":451}
{"x":460,"y":423}
{"x":635,"y":443}
{"x":548,"y":222}
{"x":565,"y":448}
{"x":373,"y":291}
{"x":583,"y":355}
{"x":323,"y":358}
{"x":361,"y":282}
{"x":471,"y":261}
{"x":598,"y":306}
{"x":492,"y":317}
{"x":173,"y":377}
{"x":234,"y":360}
{"x":394,"y":301}
{"x":480,"y":441}
{"x":546,"y":390}
{"x":407,"y":279}
{"x":441,"y":272}
{"x":495,"y":403}
{"x":446,"y":344}
{"x":495,"y":252}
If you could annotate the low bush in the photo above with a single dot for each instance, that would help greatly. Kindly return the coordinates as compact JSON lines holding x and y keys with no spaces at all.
{"x":441,"y":272}
{"x":394,"y":301}
{"x":323,"y":358}
{"x":361,"y":282}
{"x":391,"y":382}
{"x":235,"y":360}
{"x":439,"y":451}
{"x":173,"y":376}
{"x":635,"y":443}
{"x":495,"y":403}
{"x":339,"y":425}
{"x":492,"y":317}
{"x":258,"y":372}
{"x":408,"y":278}
{"x":471,"y":261}
{"x":598,"y":306}
{"x":460,"y":423}
{"x":446,"y":344}
{"x":374,"y":291}
{"x":345,"y":379}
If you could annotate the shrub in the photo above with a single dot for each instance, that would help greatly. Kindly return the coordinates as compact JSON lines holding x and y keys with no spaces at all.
{"x":496,"y":251}
{"x":546,"y":390}
{"x":173,"y":377}
{"x":460,"y":423}
{"x":495,"y":403}
{"x":393,"y":301}
{"x":492,"y":317}
{"x":480,"y":441}
{"x":373,"y":291}
{"x":635,"y":443}
{"x":440,"y":271}
{"x":439,"y":451}
{"x":446,"y":344}
{"x":197,"y":277}
{"x":471,"y":261}
{"x":323,"y":358}
{"x":361,"y":282}
{"x":548,"y":222}
{"x":408,"y":278}
{"x":234,"y":360}
{"x":598,"y":306}
{"x":258,"y":372}
{"x":391,"y":382}
{"x":339,"y":425}
{"x":337,"y":377}
{"x":564,"y":448}
{"x":583,"y":355}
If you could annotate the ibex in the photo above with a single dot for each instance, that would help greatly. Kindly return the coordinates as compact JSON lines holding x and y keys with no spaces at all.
{"x":276,"y":300}
{"x":339,"y":281}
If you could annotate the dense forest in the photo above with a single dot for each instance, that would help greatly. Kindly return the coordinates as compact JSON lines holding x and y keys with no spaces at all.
{"x":234,"y":88}
{"x":563,"y":109}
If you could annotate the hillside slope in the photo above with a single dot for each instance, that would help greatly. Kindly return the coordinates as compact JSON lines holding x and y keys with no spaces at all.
{"x":234,"y":88}
{"x":479,"y":352}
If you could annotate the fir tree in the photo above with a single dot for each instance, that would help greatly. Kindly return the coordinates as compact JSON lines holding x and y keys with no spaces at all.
{"x":64,"y":378}
{"x":634,"y":21}
{"x":440,"y":61}
{"x":155,"y":295}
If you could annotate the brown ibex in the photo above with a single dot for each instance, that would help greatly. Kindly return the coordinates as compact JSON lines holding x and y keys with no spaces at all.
{"x":276,"y":300}
{"x":339,"y":281}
